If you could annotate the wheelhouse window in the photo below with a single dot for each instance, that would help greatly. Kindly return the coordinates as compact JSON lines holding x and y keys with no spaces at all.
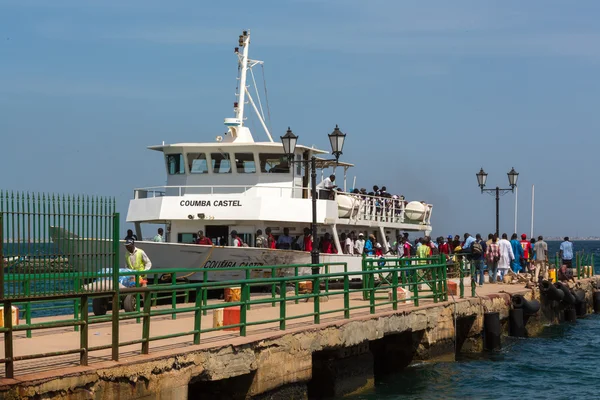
{"x":197,"y":163}
{"x":221,"y":163}
{"x":175,"y":164}
{"x":274,"y":163}
{"x":245,"y":163}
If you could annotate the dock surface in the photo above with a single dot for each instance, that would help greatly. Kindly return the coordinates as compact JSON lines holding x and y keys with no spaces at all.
{"x":58,"y":339}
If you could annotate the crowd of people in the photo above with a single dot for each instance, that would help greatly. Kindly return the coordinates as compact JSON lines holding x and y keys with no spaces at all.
{"x":496,"y":255}
{"x":377,"y":202}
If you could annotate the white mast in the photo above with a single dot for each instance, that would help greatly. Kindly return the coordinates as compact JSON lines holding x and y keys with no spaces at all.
{"x":244,"y":42}
{"x":532,"y":206}
{"x":238,"y":132}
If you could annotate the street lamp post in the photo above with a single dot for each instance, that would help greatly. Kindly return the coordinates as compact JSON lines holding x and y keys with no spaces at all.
{"x":289,"y":141}
{"x":513,"y":176}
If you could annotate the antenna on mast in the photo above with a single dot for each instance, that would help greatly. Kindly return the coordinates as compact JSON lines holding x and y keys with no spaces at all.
{"x":238,"y":132}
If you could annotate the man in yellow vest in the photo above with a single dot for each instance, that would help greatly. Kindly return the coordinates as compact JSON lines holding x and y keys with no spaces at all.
{"x":136,"y":259}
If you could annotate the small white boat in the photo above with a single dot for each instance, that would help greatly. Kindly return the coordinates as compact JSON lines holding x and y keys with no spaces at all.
{"x":236,"y":183}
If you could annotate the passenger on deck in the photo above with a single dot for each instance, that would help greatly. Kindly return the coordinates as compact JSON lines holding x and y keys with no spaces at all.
{"x":308,"y":240}
{"x":370,"y":246}
{"x":237,"y":241}
{"x":284,"y":242}
{"x":326,"y":244}
{"x":271,"y":244}
{"x":159,"y":237}
{"x":203,"y":239}
{"x":260,"y":241}
{"x":349,"y":244}
{"x":343,"y":242}
{"x":359,"y":244}
{"x":326,"y":187}
{"x":130,"y":235}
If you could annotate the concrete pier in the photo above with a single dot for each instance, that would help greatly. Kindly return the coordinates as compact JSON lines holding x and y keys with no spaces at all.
{"x":336,"y":357}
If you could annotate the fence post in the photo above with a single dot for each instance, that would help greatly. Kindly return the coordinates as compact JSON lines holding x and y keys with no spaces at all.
{"x":316,"y":300}
{"x":473,"y":276}
{"x":116,"y":306}
{"x":346,"y":296}
{"x":273,"y":289}
{"x":83,"y":334}
{"x":415,"y":279}
{"x":8,"y":340}
{"x":577,"y":264}
{"x":174,"y":295}
{"x":248,"y":269}
{"x":198,"y":316}
{"x":27,"y":281}
{"x":395,"y":289}
{"x":76,"y":305}
{"x":282,"y":306}
{"x":205,"y":291}
{"x":296,"y":285}
{"x":445,"y":275}
{"x":146,"y":323}
{"x":372,"y":292}
{"x":245,"y":295}
{"x":461,"y":283}
{"x":434,"y":286}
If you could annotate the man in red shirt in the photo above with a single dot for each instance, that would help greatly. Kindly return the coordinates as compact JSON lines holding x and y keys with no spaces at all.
{"x":272,"y":244}
{"x":443,"y":246}
{"x":203,"y":239}
{"x":407,"y":247}
{"x":527,"y":251}
{"x":308,"y":241}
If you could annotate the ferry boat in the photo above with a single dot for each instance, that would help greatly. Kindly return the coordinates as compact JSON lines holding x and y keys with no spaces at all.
{"x":237,"y":183}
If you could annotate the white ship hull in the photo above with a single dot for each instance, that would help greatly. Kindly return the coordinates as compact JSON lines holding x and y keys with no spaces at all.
{"x":191,"y":256}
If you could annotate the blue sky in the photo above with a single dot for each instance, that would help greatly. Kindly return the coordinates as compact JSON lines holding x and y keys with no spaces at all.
{"x":428,"y":92}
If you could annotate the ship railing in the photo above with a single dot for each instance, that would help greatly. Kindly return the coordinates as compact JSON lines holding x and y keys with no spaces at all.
{"x":276,"y":191}
{"x":384,"y":209}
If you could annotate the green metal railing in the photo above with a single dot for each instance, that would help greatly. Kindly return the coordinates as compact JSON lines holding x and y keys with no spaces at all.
{"x":424,"y":277}
{"x":335,"y":281}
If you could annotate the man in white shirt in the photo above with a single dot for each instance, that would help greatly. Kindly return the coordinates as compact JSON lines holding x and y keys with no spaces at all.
{"x":349,"y":243}
{"x":326,"y":186}
{"x":359,"y":244}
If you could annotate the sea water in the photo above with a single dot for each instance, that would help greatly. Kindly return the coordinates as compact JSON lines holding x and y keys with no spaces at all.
{"x":562,"y":363}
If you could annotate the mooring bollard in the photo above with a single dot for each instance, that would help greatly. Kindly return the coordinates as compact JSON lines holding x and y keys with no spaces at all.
{"x":491,"y":331}
{"x":596,"y":299}
{"x":570,"y":314}
{"x":516,"y":322}
{"x":551,"y":292}
{"x":568,"y":298}
{"x":580,"y":303}
{"x":529,"y":307}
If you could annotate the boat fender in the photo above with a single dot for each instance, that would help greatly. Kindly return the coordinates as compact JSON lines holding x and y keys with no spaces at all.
{"x":529,"y":307}
{"x":580,"y":303}
{"x":596,"y":298}
{"x":491,"y":331}
{"x":568,"y":298}
{"x":570,"y":314}
{"x":551,"y":292}
{"x":516,"y":322}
